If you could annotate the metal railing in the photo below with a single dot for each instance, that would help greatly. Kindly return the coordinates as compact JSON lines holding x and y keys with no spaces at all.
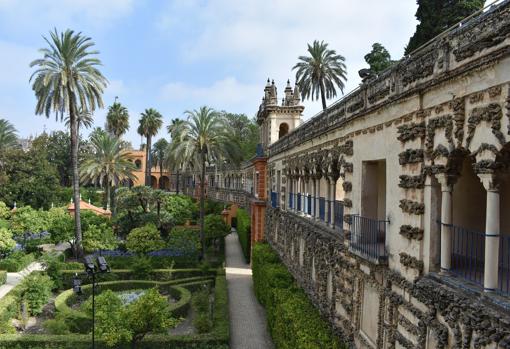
{"x":468,"y":253}
{"x":291,"y":200}
{"x":504,"y":265}
{"x":309,"y":203}
{"x":368,"y":237}
{"x":274,"y":199}
{"x":322,"y":208}
{"x":339,"y":214}
{"x":299,"y":202}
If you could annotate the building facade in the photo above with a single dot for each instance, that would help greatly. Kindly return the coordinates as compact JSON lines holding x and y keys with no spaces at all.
{"x":160,"y":178}
{"x":391,"y":207}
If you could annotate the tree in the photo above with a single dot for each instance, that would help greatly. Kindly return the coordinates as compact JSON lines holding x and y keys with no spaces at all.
{"x":320,"y":73}
{"x":66,"y":80}
{"x":117,"y":120}
{"x":200,"y":140}
{"x":174,"y":126}
{"x":83,"y":117}
{"x":8,"y":137}
{"x":150,"y":123}
{"x":7,"y":243}
{"x":144,"y":239}
{"x":435,"y":16}
{"x":180,"y":207}
{"x":99,"y":237}
{"x":61,"y":226}
{"x":158,"y":154}
{"x":108,"y":165}
{"x":27,"y":220}
{"x":215,"y":228}
{"x":379,"y":58}
{"x":110,"y":319}
{"x":245,"y":132}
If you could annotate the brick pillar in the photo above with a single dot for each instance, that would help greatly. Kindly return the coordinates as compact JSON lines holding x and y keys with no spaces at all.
{"x":258,"y":204}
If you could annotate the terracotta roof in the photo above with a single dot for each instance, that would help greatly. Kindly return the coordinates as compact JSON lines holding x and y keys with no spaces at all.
{"x":86,"y":206}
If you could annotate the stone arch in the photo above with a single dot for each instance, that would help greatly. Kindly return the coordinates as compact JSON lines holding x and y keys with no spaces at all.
{"x":283,"y":130}
{"x":154,"y":182}
{"x":138,"y":164}
{"x":164,"y":183}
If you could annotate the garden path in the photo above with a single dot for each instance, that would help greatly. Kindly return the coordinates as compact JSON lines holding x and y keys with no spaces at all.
{"x":248,"y":329}
{"x":14,"y":279}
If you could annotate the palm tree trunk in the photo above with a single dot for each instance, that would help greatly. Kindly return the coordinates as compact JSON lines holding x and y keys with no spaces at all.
{"x":160,"y":173}
{"x":323,"y":96}
{"x":107,"y":194}
{"x":78,"y":251}
{"x":146,"y":161}
{"x":149,"y":161}
{"x":202,"y":207}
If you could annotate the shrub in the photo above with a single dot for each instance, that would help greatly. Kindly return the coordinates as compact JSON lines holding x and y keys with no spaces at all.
{"x":244,"y":232}
{"x":142,"y":268}
{"x":26,"y":219}
{"x":99,"y":237}
{"x":215,"y":227}
{"x":293,"y":320}
{"x":53,"y":266}
{"x":59,"y":325}
{"x":5,"y":211}
{"x":16,"y":261}
{"x":180,"y":208}
{"x":7,"y":243}
{"x":36,"y":291}
{"x":202,"y":323}
{"x":185,"y":240}
{"x":144,"y":239}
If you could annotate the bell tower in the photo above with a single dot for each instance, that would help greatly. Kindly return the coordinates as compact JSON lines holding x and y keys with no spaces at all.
{"x":277,"y":120}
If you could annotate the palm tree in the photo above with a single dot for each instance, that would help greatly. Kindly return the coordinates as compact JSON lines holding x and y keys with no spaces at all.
{"x":8,"y":137}
{"x":174,"y":127}
{"x":66,"y":80}
{"x":150,"y":123}
{"x":117,"y":119}
{"x":108,"y":164}
{"x":84,"y":118}
{"x":202,"y":139}
{"x":158,"y":154}
{"x":319,"y":73}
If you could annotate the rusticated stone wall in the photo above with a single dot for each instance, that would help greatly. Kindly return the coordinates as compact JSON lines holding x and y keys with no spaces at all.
{"x":425,"y":313}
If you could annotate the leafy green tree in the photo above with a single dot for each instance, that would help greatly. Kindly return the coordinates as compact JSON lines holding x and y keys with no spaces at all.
{"x":66,"y":80}
{"x":200,"y":140}
{"x":5,"y":212}
{"x":379,"y":58}
{"x":117,"y":120}
{"x":144,"y":239}
{"x":185,"y":239}
{"x":245,"y":132}
{"x":320,"y":73}
{"x":150,"y":123}
{"x":8,"y":137}
{"x":110,"y":319}
{"x":435,"y":16}
{"x":27,"y":220}
{"x":180,"y":207}
{"x":61,"y":226}
{"x":215,"y":228}
{"x":36,"y":291}
{"x":158,"y":155}
{"x":99,"y":237}
{"x":108,"y":164}
{"x":7,"y":243}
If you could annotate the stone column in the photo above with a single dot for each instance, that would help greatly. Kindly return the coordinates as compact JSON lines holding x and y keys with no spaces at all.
{"x":490,"y":275}
{"x":332,"y":197}
{"x":317,"y":198}
{"x":327,"y":203}
{"x":314,"y":195}
{"x":446,"y":220}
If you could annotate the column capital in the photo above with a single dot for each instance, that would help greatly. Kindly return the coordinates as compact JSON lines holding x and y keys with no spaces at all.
{"x":446,"y":180}
{"x":489,"y":181}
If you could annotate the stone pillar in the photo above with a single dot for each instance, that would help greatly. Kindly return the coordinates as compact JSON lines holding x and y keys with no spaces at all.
{"x":317,"y":198}
{"x":446,"y":220}
{"x":332,"y":197}
{"x":492,"y":221}
{"x":328,"y":201}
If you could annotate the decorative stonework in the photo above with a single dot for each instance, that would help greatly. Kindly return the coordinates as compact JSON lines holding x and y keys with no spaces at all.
{"x":410,"y":232}
{"x":459,"y":115}
{"x":410,"y":156}
{"x":409,"y":132}
{"x":348,"y":203}
{"x":442,"y":122}
{"x":412,"y":207}
{"x":492,"y":114}
{"x":411,"y":262}
{"x":412,"y":182}
{"x":347,"y":186}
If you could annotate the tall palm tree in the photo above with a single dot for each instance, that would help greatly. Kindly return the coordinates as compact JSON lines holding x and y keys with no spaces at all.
{"x":84,"y":117}
{"x":158,"y":154}
{"x":202,"y":139}
{"x":66,"y":80}
{"x":150,"y":123}
{"x":117,"y":119}
{"x":174,"y":127}
{"x":8,"y":137}
{"x":108,"y":164}
{"x":320,"y":73}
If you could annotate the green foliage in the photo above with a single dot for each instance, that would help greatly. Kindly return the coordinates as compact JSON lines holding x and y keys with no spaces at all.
{"x":245,"y":132}
{"x":142,"y":268}
{"x":61,"y":226}
{"x":16,"y":261}
{"x":185,"y":239}
{"x":244,"y":232}
{"x":99,"y":237}
{"x":180,"y":207}
{"x":5,"y":211}
{"x":59,"y":325}
{"x":53,"y":266}
{"x":26,"y":219}
{"x":201,"y":307}
{"x":435,"y":16}
{"x":215,"y":227}
{"x":379,"y":58}
{"x":8,"y":135}
{"x":110,"y":319}
{"x":3,"y":277}
{"x":144,"y":239}
{"x":213,"y":207}
{"x":36,"y":291}
{"x":7,"y":243}
{"x":293,"y":320}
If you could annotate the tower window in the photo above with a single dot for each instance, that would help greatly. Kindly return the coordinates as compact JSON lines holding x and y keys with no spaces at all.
{"x":284,"y":129}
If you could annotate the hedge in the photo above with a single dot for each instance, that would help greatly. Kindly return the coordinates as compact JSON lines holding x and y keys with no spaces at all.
{"x":292,"y":319}
{"x":244,"y":232}
{"x":16,"y":262}
{"x":218,"y":338}
{"x":3,"y":277}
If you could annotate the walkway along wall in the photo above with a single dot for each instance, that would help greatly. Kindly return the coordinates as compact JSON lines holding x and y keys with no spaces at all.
{"x":391,"y":207}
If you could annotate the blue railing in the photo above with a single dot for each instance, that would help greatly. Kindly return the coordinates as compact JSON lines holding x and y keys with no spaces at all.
{"x":322,"y":208}
{"x":291,"y":200}
{"x":339,"y":214}
{"x":468,"y":253}
{"x":299,"y":202}
{"x":309,"y":199}
{"x":274,"y":199}
{"x":368,"y":237}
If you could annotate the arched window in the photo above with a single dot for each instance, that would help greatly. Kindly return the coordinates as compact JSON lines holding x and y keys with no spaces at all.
{"x":138,"y":164}
{"x":284,"y":129}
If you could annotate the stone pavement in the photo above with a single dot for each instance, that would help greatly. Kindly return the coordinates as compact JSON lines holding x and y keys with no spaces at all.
{"x":248,"y":329}
{"x":14,"y":279}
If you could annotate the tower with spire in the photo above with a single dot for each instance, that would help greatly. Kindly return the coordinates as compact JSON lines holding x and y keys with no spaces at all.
{"x":278,"y":119}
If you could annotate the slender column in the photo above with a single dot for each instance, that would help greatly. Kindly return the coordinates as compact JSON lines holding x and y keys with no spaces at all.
{"x":317,"y":198}
{"x":446,"y":221}
{"x":327,"y":201}
{"x":332,"y":188}
{"x":492,"y":219}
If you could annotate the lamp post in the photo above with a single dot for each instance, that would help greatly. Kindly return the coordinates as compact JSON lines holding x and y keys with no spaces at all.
{"x":92,"y":268}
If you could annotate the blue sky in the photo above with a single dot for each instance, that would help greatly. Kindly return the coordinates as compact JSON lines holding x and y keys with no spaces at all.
{"x":179,"y":55}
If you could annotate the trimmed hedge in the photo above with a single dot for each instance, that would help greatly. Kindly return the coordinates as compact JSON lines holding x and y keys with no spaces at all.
{"x":16,"y":262}
{"x":244,"y":232}
{"x":3,"y":277}
{"x":293,"y":320}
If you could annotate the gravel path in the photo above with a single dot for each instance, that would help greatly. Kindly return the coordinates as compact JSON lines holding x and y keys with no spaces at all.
{"x":247,"y":317}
